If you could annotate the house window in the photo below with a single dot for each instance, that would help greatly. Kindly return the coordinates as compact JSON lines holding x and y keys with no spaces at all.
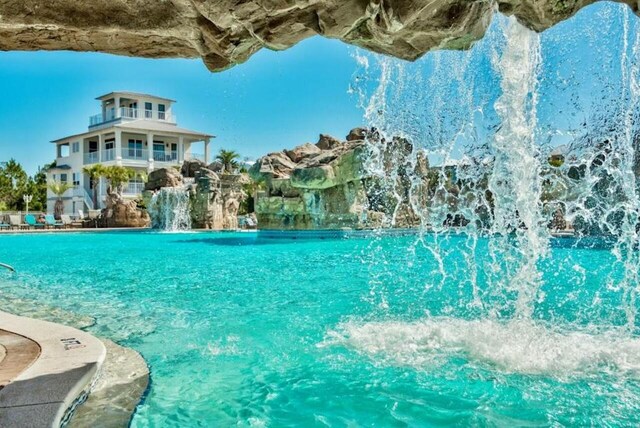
{"x":135,"y":149}
{"x":93,"y":146}
{"x":63,"y":178}
{"x":174,"y":151}
{"x":161,"y":112}
{"x":75,"y":147}
{"x":158,"y":151}
{"x":109,"y":152}
{"x":148,"y":110}
{"x":76,"y":179}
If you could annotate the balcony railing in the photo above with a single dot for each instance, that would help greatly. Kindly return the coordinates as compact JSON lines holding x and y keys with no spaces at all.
{"x":130,"y":113}
{"x":133,"y":188}
{"x":93,"y":157}
{"x":162,"y":156}
{"x":135,"y":154}
{"x":108,"y":155}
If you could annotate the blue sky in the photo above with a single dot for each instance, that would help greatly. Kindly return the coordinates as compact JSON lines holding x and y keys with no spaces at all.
{"x":275,"y":100}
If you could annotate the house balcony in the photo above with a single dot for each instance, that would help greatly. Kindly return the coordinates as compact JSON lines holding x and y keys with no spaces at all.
{"x":140,"y":155}
{"x":126,"y":113}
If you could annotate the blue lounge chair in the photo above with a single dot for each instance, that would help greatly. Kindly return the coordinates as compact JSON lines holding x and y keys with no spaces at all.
{"x":31,"y":222}
{"x":4,"y":225}
{"x":51,"y":221}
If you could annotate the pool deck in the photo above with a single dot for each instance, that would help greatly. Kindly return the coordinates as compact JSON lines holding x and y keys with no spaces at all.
{"x":47,"y":369}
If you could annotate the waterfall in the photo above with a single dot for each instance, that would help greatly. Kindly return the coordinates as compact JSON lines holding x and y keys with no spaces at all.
{"x":515,"y":181}
{"x":169,"y":210}
{"x":488,"y":119}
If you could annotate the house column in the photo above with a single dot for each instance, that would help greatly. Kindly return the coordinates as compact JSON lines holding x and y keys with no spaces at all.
{"x":100,"y":148}
{"x":150,"y":154}
{"x":206,"y":150}
{"x":180,"y":149}
{"x":118,"y":136}
{"x":116,"y":100}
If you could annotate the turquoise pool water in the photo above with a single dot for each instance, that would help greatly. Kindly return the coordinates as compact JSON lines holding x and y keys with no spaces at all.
{"x":246,"y":331}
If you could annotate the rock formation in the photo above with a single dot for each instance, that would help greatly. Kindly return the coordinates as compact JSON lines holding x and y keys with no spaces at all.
{"x":163,"y":177}
{"x":327,"y":185}
{"x":121,"y":212}
{"x":225,"y":32}
{"x":214,"y":199}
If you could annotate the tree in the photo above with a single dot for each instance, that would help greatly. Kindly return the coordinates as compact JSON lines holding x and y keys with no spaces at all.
{"x":228,"y":160}
{"x":117,"y":177}
{"x":58,"y":188}
{"x":13,"y":184}
{"x":37,"y":187}
{"x":94,"y":172}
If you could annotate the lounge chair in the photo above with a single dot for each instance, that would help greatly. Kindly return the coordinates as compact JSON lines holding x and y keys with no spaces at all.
{"x":31,"y":222}
{"x":80,"y":215}
{"x":4,"y":225}
{"x":50,"y":221}
{"x":68,"y":222}
{"x":16,"y":223}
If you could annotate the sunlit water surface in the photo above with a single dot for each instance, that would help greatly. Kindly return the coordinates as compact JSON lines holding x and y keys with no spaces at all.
{"x":245,"y":331}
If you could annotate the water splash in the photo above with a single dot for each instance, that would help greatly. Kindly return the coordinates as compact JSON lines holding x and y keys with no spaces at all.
{"x":526,"y":136}
{"x":169,"y":210}
{"x":516,"y":346}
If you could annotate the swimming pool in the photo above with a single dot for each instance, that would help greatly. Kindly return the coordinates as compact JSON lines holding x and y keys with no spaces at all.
{"x":243,"y":330}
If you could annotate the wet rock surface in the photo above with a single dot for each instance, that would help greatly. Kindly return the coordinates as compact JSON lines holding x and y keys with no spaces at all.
{"x":225,"y":33}
{"x":329,"y":187}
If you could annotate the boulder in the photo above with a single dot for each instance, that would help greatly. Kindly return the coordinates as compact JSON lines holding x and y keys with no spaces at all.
{"x":274,"y":165}
{"x":357,"y":134}
{"x":303,"y":151}
{"x":190,"y":167}
{"x":216,"y":166}
{"x":163,"y":177}
{"x":327,"y":142}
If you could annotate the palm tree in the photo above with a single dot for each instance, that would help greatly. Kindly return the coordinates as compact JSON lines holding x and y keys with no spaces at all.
{"x":228,"y":160}
{"x":117,"y":176}
{"x":94,"y":172}
{"x":58,"y":188}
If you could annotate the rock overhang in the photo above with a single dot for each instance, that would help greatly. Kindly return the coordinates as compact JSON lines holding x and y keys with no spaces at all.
{"x":227,"y":32}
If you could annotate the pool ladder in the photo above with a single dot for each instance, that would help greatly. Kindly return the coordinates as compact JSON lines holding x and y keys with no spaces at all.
{"x":4,"y":265}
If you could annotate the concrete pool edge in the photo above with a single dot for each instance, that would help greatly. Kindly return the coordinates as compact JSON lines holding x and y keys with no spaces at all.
{"x":46,"y":392}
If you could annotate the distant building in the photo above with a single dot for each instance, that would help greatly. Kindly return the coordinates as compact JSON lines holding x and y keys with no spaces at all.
{"x":134,"y":130}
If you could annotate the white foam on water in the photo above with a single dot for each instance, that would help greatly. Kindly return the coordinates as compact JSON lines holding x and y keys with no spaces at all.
{"x":516,"y":346}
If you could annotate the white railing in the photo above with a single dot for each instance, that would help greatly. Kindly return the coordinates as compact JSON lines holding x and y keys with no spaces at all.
{"x":162,"y":156}
{"x":102,"y":156}
{"x":93,"y":157}
{"x":135,"y":154}
{"x":108,"y":155}
{"x":81,"y":192}
{"x":133,"y":188}
{"x":130,"y":113}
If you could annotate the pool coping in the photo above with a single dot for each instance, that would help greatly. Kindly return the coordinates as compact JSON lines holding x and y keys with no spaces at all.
{"x":45,"y":393}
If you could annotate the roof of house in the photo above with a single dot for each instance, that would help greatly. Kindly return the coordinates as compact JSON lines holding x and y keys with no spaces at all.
{"x":132,"y":94}
{"x":142,"y":125}
{"x":63,"y":166}
{"x":160,"y":127}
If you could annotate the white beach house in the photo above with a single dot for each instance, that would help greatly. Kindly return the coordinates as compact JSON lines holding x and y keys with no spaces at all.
{"x":134,"y":130}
